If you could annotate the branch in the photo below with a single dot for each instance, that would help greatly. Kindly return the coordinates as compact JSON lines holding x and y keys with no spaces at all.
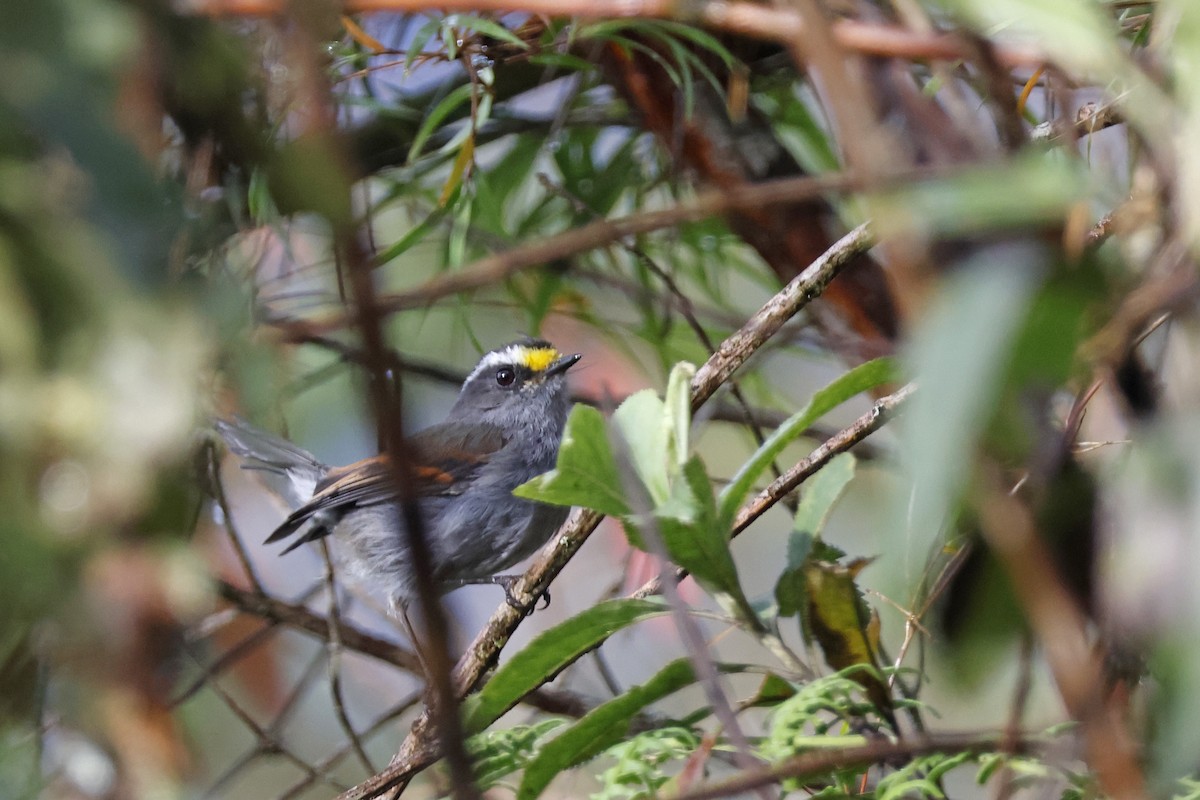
{"x":497,"y":268}
{"x":748,"y":19}
{"x":419,"y":748}
{"x":352,"y":638}
{"x":804,"y":288}
{"x":821,"y":762}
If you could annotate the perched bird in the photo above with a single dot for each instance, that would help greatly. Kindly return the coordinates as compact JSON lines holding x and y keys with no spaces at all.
{"x":503,"y":430}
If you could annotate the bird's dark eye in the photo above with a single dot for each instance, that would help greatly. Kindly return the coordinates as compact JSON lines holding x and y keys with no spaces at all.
{"x":505,"y":376}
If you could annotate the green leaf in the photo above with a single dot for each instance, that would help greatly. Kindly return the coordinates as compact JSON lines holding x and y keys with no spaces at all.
{"x":1040,"y":190}
{"x":413,"y":237}
{"x":586,"y":474}
{"x":468,"y":22}
{"x":678,"y":413}
{"x":860,"y":379}
{"x":601,"y":728}
{"x":693,"y":536}
{"x":959,"y":356}
{"x":641,"y":423}
{"x":497,"y":753}
{"x":821,"y":493}
{"x":437,"y":115}
{"x":550,"y":652}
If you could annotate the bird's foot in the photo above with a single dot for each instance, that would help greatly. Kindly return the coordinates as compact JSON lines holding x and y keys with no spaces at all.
{"x":508,"y":581}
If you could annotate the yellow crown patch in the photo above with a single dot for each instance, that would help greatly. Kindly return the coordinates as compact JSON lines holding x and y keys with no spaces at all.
{"x":537,"y":358}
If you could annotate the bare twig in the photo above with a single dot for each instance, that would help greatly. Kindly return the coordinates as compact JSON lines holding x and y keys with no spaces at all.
{"x":1060,"y":627}
{"x":218,"y":489}
{"x":334,"y":648}
{"x":813,"y":764}
{"x":302,"y":618}
{"x":1090,"y":118}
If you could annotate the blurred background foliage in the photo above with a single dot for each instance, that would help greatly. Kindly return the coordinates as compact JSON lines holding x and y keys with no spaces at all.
{"x":177,"y":185}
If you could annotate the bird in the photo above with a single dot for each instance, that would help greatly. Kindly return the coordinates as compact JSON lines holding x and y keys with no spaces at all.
{"x":504,"y":429}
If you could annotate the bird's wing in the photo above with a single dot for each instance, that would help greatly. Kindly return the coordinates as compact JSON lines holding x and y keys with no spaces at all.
{"x":446,"y":457}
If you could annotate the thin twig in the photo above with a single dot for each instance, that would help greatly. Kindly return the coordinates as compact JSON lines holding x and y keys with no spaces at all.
{"x":218,"y":487}
{"x":818,"y":763}
{"x":805,"y":287}
{"x":334,"y":648}
{"x":298,"y":616}
{"x":495,"y":269}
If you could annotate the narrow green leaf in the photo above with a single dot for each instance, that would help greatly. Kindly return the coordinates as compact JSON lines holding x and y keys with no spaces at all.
{"x":562,"y":61}
{"x":420,"y":41}
{"x":413,"y":237}
{"x":436,"y":116}
{"x":469,"y":22}
{"x":601,"y":728}
{"x":549,"y":653}
{"x":860,"y":379}
{"x":821,"y":493}
{"x":586,"y":474}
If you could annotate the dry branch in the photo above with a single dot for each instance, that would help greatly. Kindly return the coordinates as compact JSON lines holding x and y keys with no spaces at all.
{"x":748,"y":19}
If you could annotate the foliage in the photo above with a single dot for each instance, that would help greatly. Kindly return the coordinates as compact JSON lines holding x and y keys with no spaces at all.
{"x":192,"y":207}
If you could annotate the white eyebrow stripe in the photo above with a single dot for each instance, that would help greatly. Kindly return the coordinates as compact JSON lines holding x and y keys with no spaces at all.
{"x":496,"y":358}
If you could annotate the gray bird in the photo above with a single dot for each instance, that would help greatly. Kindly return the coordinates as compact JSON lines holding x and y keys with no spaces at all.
{"x":503,"y":430}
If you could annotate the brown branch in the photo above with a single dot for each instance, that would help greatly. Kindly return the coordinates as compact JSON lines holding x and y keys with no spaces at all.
{"x":823,"y":761}
{"x":745,"y":18}
{"x":419,"y":748}
{"x":497,"y":268}
{"x":1090,"y":118}
{"x":299,"y":617}
{"x":1061,"y":628}
{"x":804,"y":288}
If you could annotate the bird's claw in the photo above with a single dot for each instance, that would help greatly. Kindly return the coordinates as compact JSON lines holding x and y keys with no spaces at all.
{"x":508,"y":581}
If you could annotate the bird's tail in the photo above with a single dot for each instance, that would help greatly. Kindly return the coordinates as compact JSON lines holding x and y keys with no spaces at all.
{"x":260,"y":450}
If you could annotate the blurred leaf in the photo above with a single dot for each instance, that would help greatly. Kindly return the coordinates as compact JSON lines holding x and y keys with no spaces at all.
{"x":494,"y":30}
{"x":305,"y":176}
{"x":639,"y":769}
{"x":362,"y":37}
{"x":586,"y":473}
{"x":414,"y":236}
{"x":602,"y":727}
{"x":1039,"y":191}
{"x":958,"y":355}
{"x":773,"y":691}
{"x":552,"y":650}
{"x":447,"y":106}
{"x":860,"y":379}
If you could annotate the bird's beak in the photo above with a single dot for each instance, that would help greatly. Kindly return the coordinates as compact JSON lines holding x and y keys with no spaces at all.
{"x":562,"y":365}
